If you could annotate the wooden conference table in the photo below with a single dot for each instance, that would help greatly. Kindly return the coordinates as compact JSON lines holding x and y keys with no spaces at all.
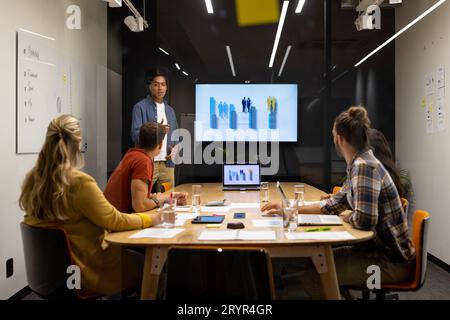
{"x":320,"y":251}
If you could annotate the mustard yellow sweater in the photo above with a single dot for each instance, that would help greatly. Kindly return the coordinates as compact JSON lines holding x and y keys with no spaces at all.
{"x":90,"y":217}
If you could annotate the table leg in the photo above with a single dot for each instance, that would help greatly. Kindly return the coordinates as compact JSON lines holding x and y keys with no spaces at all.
{"x":322,"y":257}
{"x":155,"y":257}
{"x":328,"y":275}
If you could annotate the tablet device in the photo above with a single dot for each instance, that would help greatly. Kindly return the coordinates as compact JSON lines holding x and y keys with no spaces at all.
{"x":208,"y":219}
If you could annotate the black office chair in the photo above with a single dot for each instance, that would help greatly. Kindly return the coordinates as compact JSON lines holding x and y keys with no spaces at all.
{"x":47,"y":258}
{"x":213,"y":274}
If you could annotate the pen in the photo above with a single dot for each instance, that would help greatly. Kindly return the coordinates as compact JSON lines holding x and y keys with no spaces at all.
{"x":318,"y":229}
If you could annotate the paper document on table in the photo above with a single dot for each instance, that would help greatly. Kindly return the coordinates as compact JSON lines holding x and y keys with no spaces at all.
{"x":179,"y":222}
{"x":218,"y":235}
{"x":183,"y":209}
{"x":156,"y":233}
{"x":318,"y":220}
{"x":224,"y":209}
{"x":327,"y":235}
{"x":243,"y":205}
{"x":274,"y":223}
{"x":237,"y":235}
{"x":307,"y":203}
{"x":186,"y":216}
{"x":256,"y":235}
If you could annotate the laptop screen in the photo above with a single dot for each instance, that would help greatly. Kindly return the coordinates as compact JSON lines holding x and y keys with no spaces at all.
{"x":241,"y":175}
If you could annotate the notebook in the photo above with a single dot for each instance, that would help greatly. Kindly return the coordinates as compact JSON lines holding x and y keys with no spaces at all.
{"x":319,"y":220}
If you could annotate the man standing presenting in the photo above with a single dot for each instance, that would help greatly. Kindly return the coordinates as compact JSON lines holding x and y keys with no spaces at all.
{"x":154,"y":108}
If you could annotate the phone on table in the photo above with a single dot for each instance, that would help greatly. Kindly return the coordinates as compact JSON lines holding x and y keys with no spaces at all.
{"x":239,"y":215}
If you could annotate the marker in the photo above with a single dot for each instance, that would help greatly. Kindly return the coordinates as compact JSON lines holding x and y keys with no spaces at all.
{"x":318,"y":229}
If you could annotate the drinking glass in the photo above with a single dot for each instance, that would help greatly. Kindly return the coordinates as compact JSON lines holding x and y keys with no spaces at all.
{"x":290,"y":217}
{"x":299,"y":194}
{"x":265,"y":191}
{"x":196,"y":191}
{"x":168,"y":216}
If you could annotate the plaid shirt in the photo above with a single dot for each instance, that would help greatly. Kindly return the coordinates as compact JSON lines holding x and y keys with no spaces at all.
{"x":370,"y":193}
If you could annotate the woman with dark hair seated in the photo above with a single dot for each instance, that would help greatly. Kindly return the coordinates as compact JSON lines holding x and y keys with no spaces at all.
{"x":382,"y":151}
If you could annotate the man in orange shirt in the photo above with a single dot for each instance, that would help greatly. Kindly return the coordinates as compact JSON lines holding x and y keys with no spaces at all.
{"x":129,"y":187}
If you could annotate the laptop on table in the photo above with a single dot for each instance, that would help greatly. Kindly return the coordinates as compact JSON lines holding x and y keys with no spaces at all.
{"x":241,"y":177}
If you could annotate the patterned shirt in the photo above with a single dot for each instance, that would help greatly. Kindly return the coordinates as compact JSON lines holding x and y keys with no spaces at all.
{"x":370,"y":193}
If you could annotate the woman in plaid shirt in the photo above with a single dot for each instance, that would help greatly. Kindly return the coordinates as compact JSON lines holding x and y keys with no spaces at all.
{"x":374,"y":203}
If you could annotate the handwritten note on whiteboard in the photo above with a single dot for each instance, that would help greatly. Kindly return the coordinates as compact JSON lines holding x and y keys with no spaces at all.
{"x":440,"y":110}
{"x":430,"y":83}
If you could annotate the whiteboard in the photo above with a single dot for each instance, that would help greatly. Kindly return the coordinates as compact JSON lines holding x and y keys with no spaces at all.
{"x":49,"y":84}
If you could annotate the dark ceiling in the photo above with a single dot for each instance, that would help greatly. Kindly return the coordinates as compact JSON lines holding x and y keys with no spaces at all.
{"x":197,"y":41}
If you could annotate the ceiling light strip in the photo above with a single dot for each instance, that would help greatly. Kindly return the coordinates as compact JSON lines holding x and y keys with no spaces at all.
{"x":401,"y":31}
{"x":300,"y":5}
{"x":164,"y":51}
{"x":286,"y":55}
{"x":230,"y":58}
{"x":279,"y":30}
{"x":209,"y":6}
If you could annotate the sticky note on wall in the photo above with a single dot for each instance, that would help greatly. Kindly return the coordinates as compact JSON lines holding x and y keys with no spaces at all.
{"x":257,"y":12}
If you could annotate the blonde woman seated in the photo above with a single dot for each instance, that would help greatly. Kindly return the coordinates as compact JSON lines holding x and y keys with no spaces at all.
{"x":56,"y":194}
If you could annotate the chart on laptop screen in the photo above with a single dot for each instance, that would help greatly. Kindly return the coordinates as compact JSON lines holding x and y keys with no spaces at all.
{"x":241,"y":175}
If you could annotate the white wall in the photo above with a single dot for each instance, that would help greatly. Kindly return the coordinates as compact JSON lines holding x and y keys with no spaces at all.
{"x":420,"y":50}
{"x":114,"y":119}
{"x":89,"y":46}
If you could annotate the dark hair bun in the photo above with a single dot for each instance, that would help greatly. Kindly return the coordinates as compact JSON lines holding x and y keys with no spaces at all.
{"x":360,"y":115}
{"x":357,"y":113}
{"x":353,"y":125}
